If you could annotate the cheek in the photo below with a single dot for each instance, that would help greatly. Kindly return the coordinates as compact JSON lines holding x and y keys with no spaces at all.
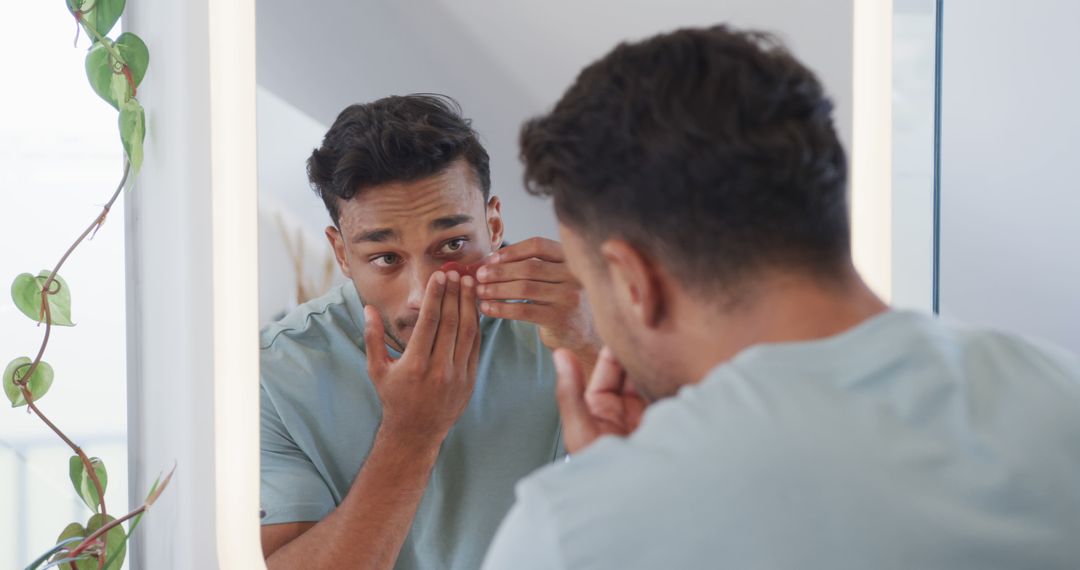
{"x":384,"y":292}
{"x":605,"y":319}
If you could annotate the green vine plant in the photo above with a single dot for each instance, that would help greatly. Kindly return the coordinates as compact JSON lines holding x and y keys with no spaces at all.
{"x":115,"y":68}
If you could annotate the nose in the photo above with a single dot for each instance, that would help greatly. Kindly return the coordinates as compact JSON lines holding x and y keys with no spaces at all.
{"x":418,"y":278}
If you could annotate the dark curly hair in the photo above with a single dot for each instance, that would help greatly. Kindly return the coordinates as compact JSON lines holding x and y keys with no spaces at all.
{"x":394,"y":139}
{"x":711,"y":149}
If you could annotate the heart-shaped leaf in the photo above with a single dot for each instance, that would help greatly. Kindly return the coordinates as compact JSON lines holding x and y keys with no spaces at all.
{"x":116,"y":74}
{"x":72,"y":535}
{"x":26,"y":292}
{"x":133,"y":132}
{"x":115,"y":540}
{"x":101,"y":15}
{"x":38,"y":385}
{"x":135,"y":54}
{"x":106,"y":76}
{"x":82,"y":482}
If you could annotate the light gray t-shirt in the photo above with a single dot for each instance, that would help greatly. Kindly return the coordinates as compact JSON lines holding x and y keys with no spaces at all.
{"x":902,"y":443}
{"x":320,"y":413}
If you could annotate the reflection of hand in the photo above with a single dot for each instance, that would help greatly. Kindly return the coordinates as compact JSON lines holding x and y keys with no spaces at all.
{"x":535,"y":270}
{"x":609,"y":405}
{"x":425,"y":391}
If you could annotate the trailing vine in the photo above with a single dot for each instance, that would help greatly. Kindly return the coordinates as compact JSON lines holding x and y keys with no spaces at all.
{"x":114,"y":68}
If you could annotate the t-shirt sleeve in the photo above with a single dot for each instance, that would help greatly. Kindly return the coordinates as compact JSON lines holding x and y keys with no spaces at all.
{"x":527,"y":539}
{"x":292,"y":490}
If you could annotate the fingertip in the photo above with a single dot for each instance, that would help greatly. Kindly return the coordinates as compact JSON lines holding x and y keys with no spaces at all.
{"x":371,"y":316}
{"x":563,"y":362}
{"x":468,"y":282}
{"x":440,"y":278}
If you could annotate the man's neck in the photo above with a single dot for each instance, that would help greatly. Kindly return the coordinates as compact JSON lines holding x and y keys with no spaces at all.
{"x":780,"y":309}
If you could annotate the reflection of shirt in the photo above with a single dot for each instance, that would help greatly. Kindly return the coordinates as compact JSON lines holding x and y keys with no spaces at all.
{"x":902,"y":443}
{"x":320,"y":413}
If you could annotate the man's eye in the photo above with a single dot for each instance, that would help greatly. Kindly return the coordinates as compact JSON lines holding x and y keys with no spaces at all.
{"x":453,"y":246}
{"x":386,"y":260}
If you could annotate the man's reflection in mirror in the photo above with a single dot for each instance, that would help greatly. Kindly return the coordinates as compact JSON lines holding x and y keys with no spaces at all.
{"x":400,"y":408}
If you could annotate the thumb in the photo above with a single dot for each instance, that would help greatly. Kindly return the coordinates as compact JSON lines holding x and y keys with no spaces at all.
{"x":578,"y":428}
{"x":374,"y":333}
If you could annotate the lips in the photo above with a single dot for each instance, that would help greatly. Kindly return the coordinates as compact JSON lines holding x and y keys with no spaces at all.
{"x":462,"y":269}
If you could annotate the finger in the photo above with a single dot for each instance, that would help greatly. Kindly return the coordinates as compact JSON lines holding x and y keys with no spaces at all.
{"x":442,"y":352}
{"x":474,"y":358}
{"x":427,"y":324}
{"x":536,"y":291}
{"x":603,"y":394}
{"x":579,"y":429}
{"x":634,"y":409}
{"x":532,"y":268}
{"x":378,"y":360}
{"x":608,"y":375}
{"x":543,"y":315}
{"x":546,"y":249}
{"x":469,"y":324}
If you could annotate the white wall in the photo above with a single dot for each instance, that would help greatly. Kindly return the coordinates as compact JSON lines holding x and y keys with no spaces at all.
{"x":291,"y":216}
{"x":170,"y":341}
{"x":506,"y":61}
{"x":1010,"y":242}
{"x":913,"y":154}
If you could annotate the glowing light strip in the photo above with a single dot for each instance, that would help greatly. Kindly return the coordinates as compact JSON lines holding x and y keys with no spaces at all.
{"x":871,"y":153}
{"x":235,"y":280}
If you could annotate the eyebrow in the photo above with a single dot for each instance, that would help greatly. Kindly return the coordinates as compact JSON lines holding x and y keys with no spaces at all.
{"x":448,"y":222}
{"x":383,"y":235}
{"x":379,"y":235}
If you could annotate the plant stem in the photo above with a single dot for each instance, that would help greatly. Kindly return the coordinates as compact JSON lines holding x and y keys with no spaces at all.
{"x":45,"y":292}
{"x":48,"y":282}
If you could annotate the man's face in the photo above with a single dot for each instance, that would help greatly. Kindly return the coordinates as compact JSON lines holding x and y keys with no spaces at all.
{"x":612,"y":317}
{"x":395,"y":235}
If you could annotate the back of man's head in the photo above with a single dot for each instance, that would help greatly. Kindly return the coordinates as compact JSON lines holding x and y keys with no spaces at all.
{"x":713,"y":150}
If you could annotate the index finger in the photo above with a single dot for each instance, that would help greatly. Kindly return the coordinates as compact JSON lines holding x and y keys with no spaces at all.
{"x":430,"y":310}
{"x":542,"y":248}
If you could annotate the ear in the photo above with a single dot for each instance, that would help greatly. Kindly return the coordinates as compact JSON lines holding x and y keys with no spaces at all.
{"x":337,"y":243}
{"x":635,"y":281}
{"x":495,"y":222}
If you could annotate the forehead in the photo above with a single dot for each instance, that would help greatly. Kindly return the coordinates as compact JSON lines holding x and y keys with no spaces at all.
{"x":404,"y":205}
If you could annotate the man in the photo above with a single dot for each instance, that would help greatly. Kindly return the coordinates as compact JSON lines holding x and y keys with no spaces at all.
{"x":395,"y":417}
{"x":793,"y":419}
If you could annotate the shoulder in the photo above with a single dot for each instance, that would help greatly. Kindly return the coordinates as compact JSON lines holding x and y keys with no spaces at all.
{"x":315,"y":320}
{"x":315,"y":338}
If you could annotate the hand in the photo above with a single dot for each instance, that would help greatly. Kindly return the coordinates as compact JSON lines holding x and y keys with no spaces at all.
{"x":609,"y":405}
{"x":535,"y":270}
{"x":425,"y":391}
